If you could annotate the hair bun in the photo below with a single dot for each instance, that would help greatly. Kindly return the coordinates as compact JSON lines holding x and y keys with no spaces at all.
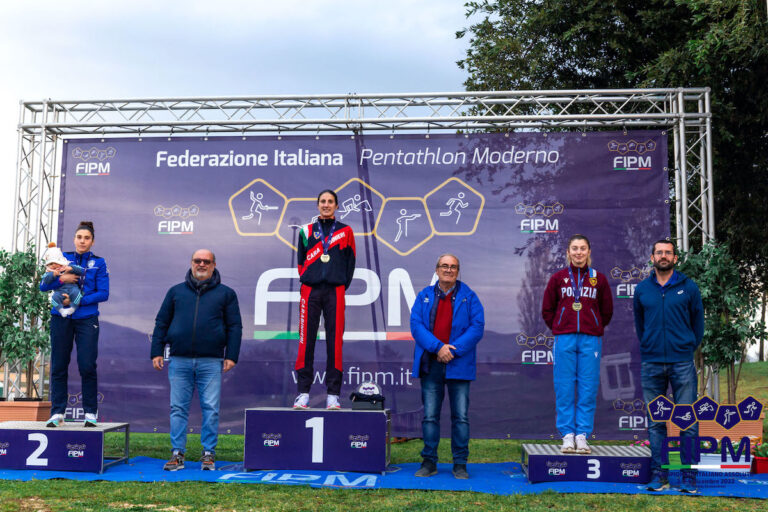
{"x":52,"y":244}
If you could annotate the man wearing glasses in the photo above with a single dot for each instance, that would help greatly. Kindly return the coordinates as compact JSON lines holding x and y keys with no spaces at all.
{"x":200,"y":320}
{"x":669,"y":320}
{"x":447,"y":322}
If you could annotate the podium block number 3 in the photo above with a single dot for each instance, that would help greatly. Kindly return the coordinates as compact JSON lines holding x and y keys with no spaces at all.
{"x":34,"y":458}
{"x":594,"y":468}
{"x":316,"y":424}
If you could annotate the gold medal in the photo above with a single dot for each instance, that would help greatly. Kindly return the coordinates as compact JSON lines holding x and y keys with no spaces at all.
{"x":325,"y":258}
{"x":576,"y":306}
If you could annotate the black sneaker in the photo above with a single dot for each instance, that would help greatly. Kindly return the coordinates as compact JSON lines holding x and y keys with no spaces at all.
{"x":659,"y":482}
{"x":207,"y":461}
{"x":175,"y":463}
{"x":460,"y":471}
{"x":428,"y":468}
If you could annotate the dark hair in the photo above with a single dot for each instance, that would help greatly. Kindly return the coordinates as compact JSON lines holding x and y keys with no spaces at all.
{"x":86,"y":225}
{"x":328,"y":191}
{"x":664,"y":241}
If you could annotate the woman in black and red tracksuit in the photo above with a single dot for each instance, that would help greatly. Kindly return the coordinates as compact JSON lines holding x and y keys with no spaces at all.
{"x":326,"y":262}
{"x":577,"y":306}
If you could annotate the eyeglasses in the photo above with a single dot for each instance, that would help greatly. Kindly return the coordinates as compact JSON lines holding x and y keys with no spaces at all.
{"x":664,"y":253}
{"x":445,"y":266}
{"x":201,"y":261}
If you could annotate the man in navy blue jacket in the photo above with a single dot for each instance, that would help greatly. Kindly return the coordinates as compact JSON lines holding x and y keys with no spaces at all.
{"x":447,"y":322}
{"x":200,"y":320}
{"x":669,"y":320}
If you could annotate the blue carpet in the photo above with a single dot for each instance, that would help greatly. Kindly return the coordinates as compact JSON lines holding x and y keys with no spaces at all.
{"x":499,"y":478}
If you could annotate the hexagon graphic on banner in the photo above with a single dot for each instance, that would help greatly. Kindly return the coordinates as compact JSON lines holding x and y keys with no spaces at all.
{"x":359,"y":205}
{"x":299,"y":211}
{"x":727,"y":416}
{"x":750,"y":409}
{"x":705,"y":409}
{"x":660,"y":408}
{"x":683,"y":416}
{"x":403,"y":224}
{"x":454,"y":207}
{"x":257,"y":209}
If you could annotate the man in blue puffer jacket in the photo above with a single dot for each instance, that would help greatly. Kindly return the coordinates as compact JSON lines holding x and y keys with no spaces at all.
{"x":447,"y":322}
{"x":200,"y":320}
{"x":669,"y":320}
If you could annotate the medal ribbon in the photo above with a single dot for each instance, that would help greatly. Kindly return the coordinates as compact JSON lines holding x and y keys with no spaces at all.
{"x":577,"y":288}
{"x":327,"y":240}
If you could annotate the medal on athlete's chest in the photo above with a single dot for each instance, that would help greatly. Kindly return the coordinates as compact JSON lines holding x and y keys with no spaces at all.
{"x":576,"y":306}
{"x":326,"y":241}
{"x":325,"y":258}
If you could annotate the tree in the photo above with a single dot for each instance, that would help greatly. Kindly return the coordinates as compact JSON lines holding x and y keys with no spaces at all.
{"x":729,"y":312}
{"x":591,"y":44}
{"x":24,"y":311}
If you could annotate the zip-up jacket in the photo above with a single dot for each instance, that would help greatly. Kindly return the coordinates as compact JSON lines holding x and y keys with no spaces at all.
{"x":94,"y":283}
{"x":467,"y":327}
{"x":669,"y":320}
{"x":596,"y":300}
{"x":199,"y":319}
{"x":341,"y":267}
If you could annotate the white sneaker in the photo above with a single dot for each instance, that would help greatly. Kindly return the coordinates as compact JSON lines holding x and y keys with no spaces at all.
{"x":568,"y":446}
{"x":302,"y":401}
{"x":581,"y":444}
{"x":332,"y":402}
{"x":54,"y":420}
{"x":90,"y":419}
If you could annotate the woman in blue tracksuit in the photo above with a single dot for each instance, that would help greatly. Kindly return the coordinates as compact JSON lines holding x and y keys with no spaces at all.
{"x":81,"y":328}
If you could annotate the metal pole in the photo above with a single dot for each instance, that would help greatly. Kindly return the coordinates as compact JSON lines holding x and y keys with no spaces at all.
{"x":682,"y":169}
{"x":676,"y":171}
{"x":709,"y":165}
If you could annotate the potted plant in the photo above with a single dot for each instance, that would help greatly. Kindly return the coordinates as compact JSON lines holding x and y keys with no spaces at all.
{"x":760,"y":458}
{"x":24,"y":317}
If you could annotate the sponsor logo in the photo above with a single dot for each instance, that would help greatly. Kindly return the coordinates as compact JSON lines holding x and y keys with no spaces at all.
{"x":538,"y":349}
{"x":631,"y":470}
{"x":271,"y":440}
{"x":628,"y":280}
{"x":94,"y":161}
{"x":177,"y":219}
{"x":539,"y":217}
{"x":556,"y":468}
{"x":704,"y":409}
{"x":633,"y":414}
{"x":75,"y":451}
{"x":74,"y":410}
{"x":4,"y":448}
{"x":358,"y":441}
{"x":632,"y":155}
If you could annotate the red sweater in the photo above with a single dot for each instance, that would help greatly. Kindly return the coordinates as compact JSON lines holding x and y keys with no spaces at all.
{"x":596,"y":300}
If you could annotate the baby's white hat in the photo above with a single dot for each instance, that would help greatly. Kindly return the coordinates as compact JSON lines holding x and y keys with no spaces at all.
{"x":54,"y":255}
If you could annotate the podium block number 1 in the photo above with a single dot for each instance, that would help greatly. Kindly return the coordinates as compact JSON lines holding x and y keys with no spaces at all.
{"x":34,"y":458}
{"x":316,"y":424}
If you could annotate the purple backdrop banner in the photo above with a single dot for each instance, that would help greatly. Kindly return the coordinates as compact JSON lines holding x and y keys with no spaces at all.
{"x":505,"y":204}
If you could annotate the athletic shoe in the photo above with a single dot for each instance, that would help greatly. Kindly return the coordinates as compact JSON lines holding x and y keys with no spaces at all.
{"x":581,"y":444}
{"x":302,"y":401}
{"x":659,"y":482}
{"x":428,"y":468}
{"x":568,"y":446}
{"x":460,"y":471}
{"x":332,"y":402}
{"x":54,"y":420}
{"x":90,"y":420}
{"x":207,"y":461}
{"x":688,"y":484}
{"x":175,"y":463}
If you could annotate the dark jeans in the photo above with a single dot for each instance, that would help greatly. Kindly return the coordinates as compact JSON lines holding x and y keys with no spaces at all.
{"x":655,"y":378}
{"x":65,"y":332}
{"x":433,"y":386}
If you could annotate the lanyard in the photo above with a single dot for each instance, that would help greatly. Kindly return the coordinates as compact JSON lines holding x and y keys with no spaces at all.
{"x":576,"y":287}
{"x":326,"y":241}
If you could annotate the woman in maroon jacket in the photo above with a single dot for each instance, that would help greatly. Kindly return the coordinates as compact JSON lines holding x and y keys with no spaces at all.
{"x":577,"y":306}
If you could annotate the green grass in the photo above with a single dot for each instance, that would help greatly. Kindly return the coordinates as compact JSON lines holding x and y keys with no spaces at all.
{"x":65,"y":495}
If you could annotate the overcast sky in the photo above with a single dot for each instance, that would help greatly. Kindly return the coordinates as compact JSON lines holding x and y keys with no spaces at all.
{"x":81,"y":50}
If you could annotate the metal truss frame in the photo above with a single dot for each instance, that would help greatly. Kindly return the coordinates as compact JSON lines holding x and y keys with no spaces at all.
{"x":684,"y":111}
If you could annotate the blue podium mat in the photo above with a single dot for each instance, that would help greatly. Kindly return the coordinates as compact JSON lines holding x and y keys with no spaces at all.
{"x":498,"y":478}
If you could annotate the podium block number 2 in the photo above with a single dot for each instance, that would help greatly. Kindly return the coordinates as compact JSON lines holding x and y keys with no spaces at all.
{"x":316,"y":424}
{"x":34,"y":458}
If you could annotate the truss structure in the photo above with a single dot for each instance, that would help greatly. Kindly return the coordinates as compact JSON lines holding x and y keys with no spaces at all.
{"x":684,"y":112}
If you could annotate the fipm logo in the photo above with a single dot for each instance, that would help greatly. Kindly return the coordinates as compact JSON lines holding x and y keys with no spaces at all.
{"x":629,"y":279}
{"x":94,"y":161}
{"x":632,"y":155}
{"x":177,"y":219}
{"x":540,"y":217}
